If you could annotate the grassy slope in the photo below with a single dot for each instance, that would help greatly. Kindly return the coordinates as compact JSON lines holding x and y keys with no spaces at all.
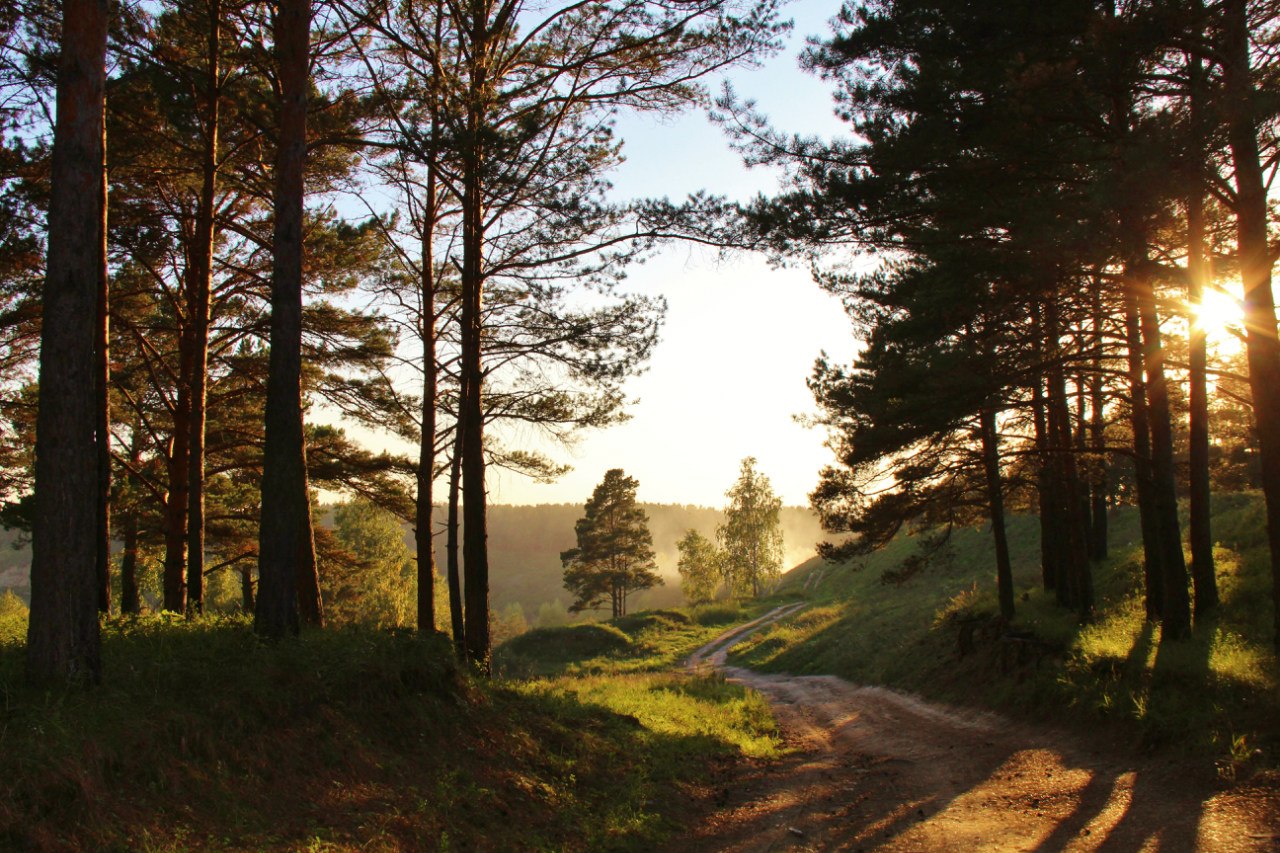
{"x":1216,"y":694}
{"x":203,"y":738}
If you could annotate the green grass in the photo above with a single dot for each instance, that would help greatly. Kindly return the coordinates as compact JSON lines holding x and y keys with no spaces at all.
{"x":650,"y":641}
{"x":683,"y":725}
{"x":1209,"y":695}
{"x":202,"y":737}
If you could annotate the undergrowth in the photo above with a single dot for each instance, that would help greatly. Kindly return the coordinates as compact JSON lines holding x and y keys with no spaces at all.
{"x":202,"y":737}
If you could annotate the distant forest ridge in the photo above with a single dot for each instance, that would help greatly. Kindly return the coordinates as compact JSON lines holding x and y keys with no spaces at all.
{"x":524,"y":548}
{"x":525,"y":544}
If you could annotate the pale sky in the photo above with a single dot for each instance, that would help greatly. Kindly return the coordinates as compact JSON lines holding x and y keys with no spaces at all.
{"x":740,"y":339}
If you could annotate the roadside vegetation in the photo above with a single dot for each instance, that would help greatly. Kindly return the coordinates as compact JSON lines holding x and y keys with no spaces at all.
{"x":923,"y":616}
{"x":379,"y":742}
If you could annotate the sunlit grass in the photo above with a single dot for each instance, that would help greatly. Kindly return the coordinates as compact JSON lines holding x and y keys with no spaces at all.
{"x":680,"y":705}
{"x":649,"y":641}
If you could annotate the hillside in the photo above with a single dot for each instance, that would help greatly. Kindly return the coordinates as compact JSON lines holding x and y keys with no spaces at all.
{"x":933,"y":632}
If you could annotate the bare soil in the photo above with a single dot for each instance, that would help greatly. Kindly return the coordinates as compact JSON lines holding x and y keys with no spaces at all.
{"x":875,"y":769}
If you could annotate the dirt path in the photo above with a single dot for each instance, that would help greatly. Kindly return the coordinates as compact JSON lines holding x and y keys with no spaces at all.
{"x":873,"y":769}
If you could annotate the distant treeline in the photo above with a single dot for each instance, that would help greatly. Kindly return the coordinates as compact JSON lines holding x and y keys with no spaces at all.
{"x":525,"y":543}
{"x":524,"y":549}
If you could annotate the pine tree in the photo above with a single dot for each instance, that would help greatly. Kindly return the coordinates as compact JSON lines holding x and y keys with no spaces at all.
{"x":615,"y":556}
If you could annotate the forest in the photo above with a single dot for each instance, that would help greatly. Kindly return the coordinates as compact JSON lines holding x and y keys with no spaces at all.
{"x":237,"y":238}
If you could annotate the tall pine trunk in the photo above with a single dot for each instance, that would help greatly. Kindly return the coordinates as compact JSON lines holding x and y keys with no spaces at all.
{"x":1050,"y":534}
{"x":1201,"y":532}
{"x":1097,"y":434}
{"x":130,"y":600}
{"x":475,"y":556}
{"x":130,"y":597}
{"x":1261,"y":343}
{"x":475,"y":548}
{"x":176,"y":500}
{"x":1175,"y":608}
{"x":62,"y":631}
{"x":285,"y":526}
{"x":423,"y":538}
{"x":1139,"y":421}
{"x":200,"y":286}
{"x":452,"y":564}
{"x":995,"y":507}
{"x":1075,"y":587}
{"x":1198,"y":273}
{"x":102,"y":398}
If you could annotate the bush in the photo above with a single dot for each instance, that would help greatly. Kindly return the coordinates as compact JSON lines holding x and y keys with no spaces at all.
{"x":637,"y":622}
{"x":718,"y":614}
{"x":13,"y":618}
{"x":570,"y":642}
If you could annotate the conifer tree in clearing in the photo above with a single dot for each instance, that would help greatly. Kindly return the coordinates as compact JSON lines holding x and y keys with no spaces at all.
{"x":614,"y":557}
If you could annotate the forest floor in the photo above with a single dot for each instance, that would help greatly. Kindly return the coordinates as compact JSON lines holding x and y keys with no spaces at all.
{"x":875,"y":769}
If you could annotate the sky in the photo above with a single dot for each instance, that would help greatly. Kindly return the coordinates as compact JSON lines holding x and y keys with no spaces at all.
{"x":728,"y":377}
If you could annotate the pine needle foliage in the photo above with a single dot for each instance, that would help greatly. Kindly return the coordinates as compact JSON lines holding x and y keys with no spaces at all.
{"x":615,"y":555}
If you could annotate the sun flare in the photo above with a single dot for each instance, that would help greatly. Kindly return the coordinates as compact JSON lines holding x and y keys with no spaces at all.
{"x":1218,"y":311}
{"x":1220,"y":316}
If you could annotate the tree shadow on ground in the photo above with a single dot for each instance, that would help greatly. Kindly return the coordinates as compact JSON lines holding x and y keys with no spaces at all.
{"x":1013,"y":787}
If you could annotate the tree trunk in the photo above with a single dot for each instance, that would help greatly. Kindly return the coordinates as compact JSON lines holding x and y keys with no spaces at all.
{"x":286,"y":509}
{"x":1203,"y":574}
{"x":63,"y":632}
{"x":995,"y":507}
{"x":1261,"y":342}
{"x":176,"y":500}
{"x":1075,"y":587}
{"x":200,"y":286}
{"x":130,"y":601}
{"x":1201,"y":533}
{"x":1089,"y":480}
{"x":1050,"y":547}
{"x":102,"y":392}
{"x":423,"y":537}
{"x":310,"y":600}
{"x":1152,"y":566}
{"x":475,"y":548}
{"x":246,"y":588}
{"x":475,"y":554}
{"x":1175,"y":605}
{"x":1097,"y":434}
{"x":456,"y":622}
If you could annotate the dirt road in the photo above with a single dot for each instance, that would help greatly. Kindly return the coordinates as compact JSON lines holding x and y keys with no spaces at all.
{"x":873,"y":769}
